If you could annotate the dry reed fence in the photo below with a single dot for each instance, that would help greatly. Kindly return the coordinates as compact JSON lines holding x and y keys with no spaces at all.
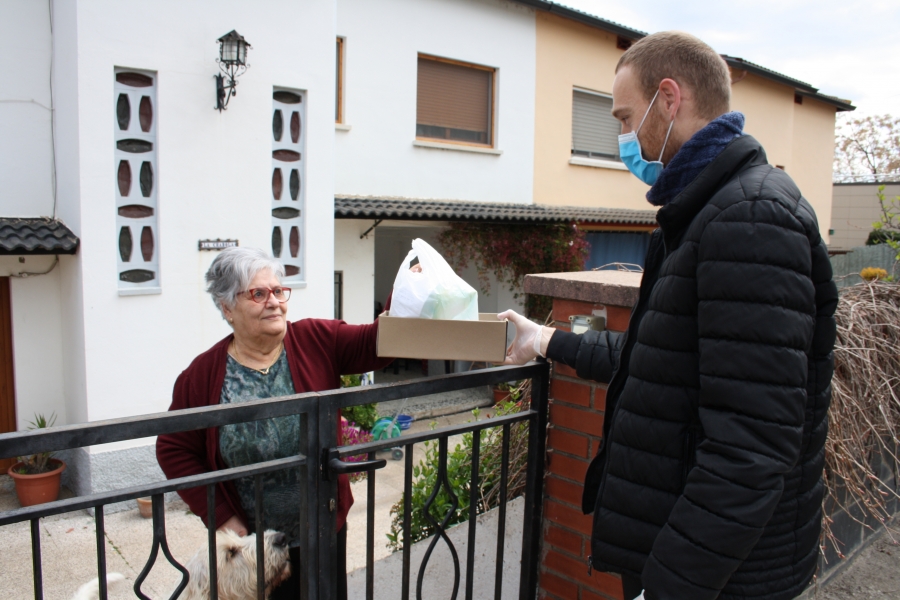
{"x":864,"y":419}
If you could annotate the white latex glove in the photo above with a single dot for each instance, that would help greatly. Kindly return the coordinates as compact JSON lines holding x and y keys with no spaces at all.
{"x":641,"y":597}
{"x":531,"y":339}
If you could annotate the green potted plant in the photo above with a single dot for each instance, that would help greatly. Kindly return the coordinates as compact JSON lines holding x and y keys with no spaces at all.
{"x":507,"y":391}
{"x":37,"y":476}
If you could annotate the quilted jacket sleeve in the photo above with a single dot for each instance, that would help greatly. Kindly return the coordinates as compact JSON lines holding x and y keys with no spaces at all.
{"x":593,"y":354}
{"x":756,"y":316}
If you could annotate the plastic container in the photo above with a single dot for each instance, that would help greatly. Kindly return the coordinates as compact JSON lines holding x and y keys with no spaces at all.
{"x":404,"y":421}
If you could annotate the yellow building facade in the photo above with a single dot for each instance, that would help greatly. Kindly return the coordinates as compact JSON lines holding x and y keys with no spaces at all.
{"x":791,"y":119}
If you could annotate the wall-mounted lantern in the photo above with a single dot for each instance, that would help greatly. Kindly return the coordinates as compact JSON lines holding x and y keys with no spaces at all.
{"x":233,"y":62}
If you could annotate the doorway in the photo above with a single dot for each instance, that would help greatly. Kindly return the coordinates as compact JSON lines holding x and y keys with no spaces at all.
{"x":7,"y":382}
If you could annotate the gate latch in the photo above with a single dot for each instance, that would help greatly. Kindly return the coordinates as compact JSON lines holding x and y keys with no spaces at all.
{"x":336,"y":466}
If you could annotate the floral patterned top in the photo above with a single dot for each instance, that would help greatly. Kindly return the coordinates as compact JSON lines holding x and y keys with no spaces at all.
{"x":257,"y":441}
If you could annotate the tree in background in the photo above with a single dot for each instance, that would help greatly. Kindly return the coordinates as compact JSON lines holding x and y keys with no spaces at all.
{"x":887,"y":229}
{"x":867,"y":149}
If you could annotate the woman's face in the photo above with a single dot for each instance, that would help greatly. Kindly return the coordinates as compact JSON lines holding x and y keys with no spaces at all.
{"x":257,"y":320}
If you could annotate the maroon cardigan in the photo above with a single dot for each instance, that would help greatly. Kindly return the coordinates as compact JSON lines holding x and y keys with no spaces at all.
{"x":319,"y":351}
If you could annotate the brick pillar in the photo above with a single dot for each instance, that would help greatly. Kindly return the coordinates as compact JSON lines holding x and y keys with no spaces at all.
{"x":577,"y":410}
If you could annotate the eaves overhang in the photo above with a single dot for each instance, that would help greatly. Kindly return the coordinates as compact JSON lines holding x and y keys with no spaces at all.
{"x":408,"y":209}
{"x":800,"y":87}
{"x":35,"y":236}
{"x":583,"y":17}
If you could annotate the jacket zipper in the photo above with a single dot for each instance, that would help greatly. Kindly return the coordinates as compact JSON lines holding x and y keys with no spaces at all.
{"x":615,"y":383}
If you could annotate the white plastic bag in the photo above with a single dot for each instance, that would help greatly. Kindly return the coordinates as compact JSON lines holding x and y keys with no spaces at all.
{"x":435,"y":293}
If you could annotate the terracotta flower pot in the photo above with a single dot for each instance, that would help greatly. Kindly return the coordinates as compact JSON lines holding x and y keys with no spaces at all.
{"x":500,"y":395}
{"x":37,"y":489}
{"x":145,"y":507}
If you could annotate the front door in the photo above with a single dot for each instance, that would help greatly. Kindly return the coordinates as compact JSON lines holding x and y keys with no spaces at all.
{"x":7,"y":383}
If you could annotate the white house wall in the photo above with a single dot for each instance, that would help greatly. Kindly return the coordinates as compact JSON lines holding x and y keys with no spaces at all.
{"x":26,"y":181}
{"x":355,"y":258}
{"x":382,"y":42}
{"x":25,"y":103}
{"x":214,"y":177}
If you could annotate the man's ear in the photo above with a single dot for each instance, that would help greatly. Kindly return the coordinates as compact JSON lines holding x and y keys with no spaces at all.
{"x":670,"y":97}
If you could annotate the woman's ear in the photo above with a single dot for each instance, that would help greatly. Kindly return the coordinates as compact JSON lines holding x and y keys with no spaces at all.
{"x":227,"y":313}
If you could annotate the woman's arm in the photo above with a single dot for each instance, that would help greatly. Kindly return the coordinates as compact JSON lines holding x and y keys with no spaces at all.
{"x":355,"y":349}
{"x":184,"y":453}
{"x":355,"y":346}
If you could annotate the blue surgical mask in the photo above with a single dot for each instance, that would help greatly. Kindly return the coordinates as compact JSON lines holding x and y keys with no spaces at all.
{"x":630,"y":152}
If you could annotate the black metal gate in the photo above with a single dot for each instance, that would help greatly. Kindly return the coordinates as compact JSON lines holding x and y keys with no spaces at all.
{"x":319,"y":461}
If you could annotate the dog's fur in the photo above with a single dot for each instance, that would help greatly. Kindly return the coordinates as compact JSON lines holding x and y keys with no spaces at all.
{"x":236,"y":566}
{"x":91,"y":590}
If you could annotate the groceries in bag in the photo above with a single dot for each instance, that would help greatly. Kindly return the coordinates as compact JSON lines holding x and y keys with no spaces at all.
{"x":436,"y":292}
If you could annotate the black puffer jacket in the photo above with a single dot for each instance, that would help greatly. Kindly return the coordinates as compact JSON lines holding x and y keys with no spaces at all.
{"x":709,"y":481}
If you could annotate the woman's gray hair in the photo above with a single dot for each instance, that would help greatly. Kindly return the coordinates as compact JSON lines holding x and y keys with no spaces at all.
{"x":233,"y":270}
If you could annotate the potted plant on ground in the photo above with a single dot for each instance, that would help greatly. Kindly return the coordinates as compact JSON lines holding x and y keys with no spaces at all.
{"x":37,"y":476}
{"x":507,"y":391}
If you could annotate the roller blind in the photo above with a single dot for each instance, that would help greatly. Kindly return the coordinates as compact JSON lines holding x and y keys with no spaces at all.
{"x":454,"y":101}
{"x":594,"y":130}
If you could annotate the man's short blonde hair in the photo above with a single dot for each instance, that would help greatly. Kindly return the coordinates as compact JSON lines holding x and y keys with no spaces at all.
{"x":687,"y":60}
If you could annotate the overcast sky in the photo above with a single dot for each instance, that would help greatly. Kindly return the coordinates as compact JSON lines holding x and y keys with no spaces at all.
{"x":849,"y":48}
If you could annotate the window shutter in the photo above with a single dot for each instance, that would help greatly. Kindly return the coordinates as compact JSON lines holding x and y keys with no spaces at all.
{"x":595,"y":132}
{"x":454,"y":101}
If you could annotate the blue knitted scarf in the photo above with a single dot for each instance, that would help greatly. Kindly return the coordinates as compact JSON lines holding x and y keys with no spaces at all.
{"x":694,"y":156}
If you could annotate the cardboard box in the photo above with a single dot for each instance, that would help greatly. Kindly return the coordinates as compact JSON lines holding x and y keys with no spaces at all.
{"x":481,"y":340}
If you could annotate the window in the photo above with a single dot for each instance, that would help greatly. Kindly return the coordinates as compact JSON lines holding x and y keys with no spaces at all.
{"x":288,"y":182}
{"x":137,"y":234}
{"x":339,"y":82}
{"x":338,"y":294}
{"x":455,"y":101}
{"x":595,"y":132}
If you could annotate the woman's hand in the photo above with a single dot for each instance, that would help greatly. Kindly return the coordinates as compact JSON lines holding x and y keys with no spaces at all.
{"x":234,"y":524}
{"x":416,"y":268}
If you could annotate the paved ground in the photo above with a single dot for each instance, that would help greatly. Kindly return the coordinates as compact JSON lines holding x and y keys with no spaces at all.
{"x":872,"y":575}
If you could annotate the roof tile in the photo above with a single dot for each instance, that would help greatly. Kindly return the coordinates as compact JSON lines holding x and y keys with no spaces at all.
{"x":388,"y":208}
{"x":36,"y":236}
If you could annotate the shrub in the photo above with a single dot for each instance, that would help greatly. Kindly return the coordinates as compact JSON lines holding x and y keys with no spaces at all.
{"x":873,"y":274}
{"x":363,"y":415}
{"x":459,"y":469}
{"x":351,"y":435}
{"x":35,"y":464}
{"x":512,"y":251}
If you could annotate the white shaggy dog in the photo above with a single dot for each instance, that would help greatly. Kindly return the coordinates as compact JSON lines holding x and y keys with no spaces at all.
{"x":236,"y":565}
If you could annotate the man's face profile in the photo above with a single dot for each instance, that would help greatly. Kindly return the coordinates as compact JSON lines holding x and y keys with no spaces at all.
{"x":629,"y":107}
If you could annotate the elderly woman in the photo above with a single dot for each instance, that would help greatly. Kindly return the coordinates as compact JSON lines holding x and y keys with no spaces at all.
{"x":266,"y":356}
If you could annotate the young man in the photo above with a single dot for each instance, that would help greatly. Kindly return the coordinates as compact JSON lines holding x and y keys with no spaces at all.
{"x":708,"y":483}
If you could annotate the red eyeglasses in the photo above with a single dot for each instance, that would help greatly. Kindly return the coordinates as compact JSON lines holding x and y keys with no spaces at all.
{"x":260,"y":295}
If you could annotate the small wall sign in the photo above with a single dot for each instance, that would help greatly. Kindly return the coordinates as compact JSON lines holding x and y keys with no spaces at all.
{"x":216,"y":244}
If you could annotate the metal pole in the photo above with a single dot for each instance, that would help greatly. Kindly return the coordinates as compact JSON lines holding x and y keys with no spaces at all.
{"x":534,"y":485}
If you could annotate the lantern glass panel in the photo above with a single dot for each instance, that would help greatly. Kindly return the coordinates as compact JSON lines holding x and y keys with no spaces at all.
{"x":229,"y":51}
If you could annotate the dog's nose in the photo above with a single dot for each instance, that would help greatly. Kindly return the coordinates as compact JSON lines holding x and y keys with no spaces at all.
{"x":279,"y":541}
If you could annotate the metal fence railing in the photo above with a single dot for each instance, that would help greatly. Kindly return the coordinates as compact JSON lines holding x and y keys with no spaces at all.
{"x":320,"y":458}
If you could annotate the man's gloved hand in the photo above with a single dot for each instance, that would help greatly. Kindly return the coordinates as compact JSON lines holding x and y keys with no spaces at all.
{"x":531,"y":339}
